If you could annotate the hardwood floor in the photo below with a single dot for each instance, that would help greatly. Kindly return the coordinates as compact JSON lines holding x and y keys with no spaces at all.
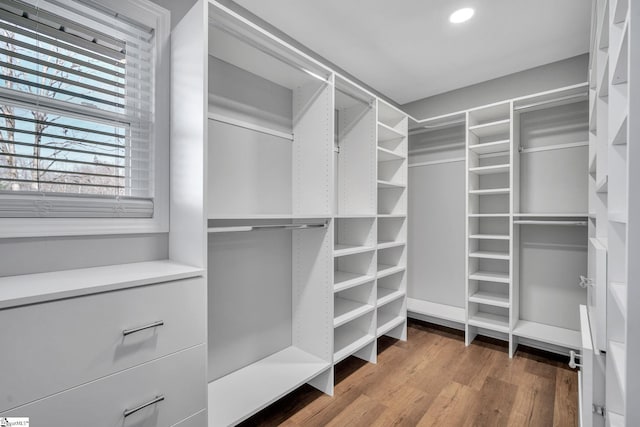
{"x":433,"y":380}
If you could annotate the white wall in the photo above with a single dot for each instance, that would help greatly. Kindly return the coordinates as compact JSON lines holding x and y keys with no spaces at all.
{"x":551,"y":76}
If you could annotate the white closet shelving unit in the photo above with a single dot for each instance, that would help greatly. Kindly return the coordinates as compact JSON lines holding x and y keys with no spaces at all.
{"x":436,"y":281}
{"x":489,"y":268}
{"x":551,"y":215}
{"x":623,"y":210}
{"x":355,"y":223}
{"x":524,"y":205}
{"x":392,"y":178}
{"x":252,"y":151}
{"x":280,"y":169}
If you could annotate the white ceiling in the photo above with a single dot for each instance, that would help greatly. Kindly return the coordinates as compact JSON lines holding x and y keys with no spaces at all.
{"x":408,"y":50}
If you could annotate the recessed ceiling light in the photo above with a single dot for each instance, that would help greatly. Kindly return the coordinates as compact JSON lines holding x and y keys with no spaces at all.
{"x":461,"y":15}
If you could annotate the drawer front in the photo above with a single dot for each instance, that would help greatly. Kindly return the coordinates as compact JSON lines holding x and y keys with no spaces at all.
{"x":51,"y":347}
{"x":180,"y":378}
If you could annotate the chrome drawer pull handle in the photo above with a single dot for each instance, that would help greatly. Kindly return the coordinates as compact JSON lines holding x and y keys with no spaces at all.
{"x":142,"y":328}
{"x":157,"y":399}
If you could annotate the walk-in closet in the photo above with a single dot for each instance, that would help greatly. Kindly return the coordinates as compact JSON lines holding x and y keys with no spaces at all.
{"x":246,"y":213}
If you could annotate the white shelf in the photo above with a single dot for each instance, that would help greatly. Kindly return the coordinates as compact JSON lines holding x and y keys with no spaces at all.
{"x":385,"y":155}
{"x":490,"y":192}
{"x":392,"y":215}
{"x":486,"y":276}
{"x":619,"y":294}
{"x":489,"y":255}
{"x":235,"y":397}
{"x":355,"y":216}
{"x":492,"y":215}
{"x":345,"y":280}
{"x":349,"y":340}
{"x":268,"y":216}
{"x":385,"y":296}
{"x":491,"y":147}
{"x":342,"y":250}
{"x":617,"y":356}
{"x":487,"y":170}
{"x":389,"y":184}
{"x":603,"y":88}
{"x":490,"y":321}
{"x":346,"y":310}
{"x":432,"y":309}
{"x":391,"y":244}
{"x":387,"y":133}
{"x":387,"y":270}
{"x":388,"y":321}
{"x":489,"y":236}
{"x":615,"y":420}
{"x":618,"y":217}
{"x":35,"y":288}
{"x":490,"y":298}
{"x":620,"y":136}
{"x":549,"y":334}
{"x":489,"y":129}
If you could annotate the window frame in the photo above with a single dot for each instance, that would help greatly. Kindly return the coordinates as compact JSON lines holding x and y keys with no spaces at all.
{"x":158,"y":18}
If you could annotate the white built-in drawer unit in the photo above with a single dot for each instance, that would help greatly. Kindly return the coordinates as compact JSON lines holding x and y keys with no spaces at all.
{"x":114,"y":335}
{"x":60,"y":344}
{"x":163,"y":392}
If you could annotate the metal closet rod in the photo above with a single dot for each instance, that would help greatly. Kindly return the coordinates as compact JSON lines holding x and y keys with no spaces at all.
{"x":232,"y":229}
{"x":542,"y":222}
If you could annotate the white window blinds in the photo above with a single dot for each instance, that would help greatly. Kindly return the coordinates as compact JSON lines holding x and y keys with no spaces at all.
{"x":76,"y":112}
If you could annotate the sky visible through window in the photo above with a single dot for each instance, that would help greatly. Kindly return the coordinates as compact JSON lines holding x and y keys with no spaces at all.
{"x":45,"y":150}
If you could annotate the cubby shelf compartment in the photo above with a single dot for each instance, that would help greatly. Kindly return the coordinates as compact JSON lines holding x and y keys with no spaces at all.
{"x":487,"y":170}
{"x":620,"y":11}
{"x":440,"y":311}
{"x":343,"y":250}
{"x":346,"y":310}
{"x":345,"y":280}
{"x":387,"y":270}
{"x":620,"y":69}
{"x":489,"y":192}
{"x":490,"y":298}
{"x":603,"y":88}
{"x":388,"y":321}
{"x":386,"y":155}
{"x":348,"y":341}
{"x":491,"y":147}
{"x":489,"y":255}
{"x":387,"y":133}
{"x":489,"y":129}
{"x":389,"y":184}
{"x":619,"y":293}
{"x":490,"y":321}
{"x":244,"y":392}
{"x":489,"y":236}
{"x":549,"y":334}
{"x":390,"y":244}
{"x":385,"y":296}
{"x":620,"y":136}
{"x":602,"y":186}
{"x":486,"y":276}
{"x":617,"y":356}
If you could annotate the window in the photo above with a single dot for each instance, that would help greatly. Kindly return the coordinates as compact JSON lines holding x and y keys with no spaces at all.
{"x":77,"y":111}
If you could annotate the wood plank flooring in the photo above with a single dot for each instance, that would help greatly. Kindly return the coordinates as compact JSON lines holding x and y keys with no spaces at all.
{"x":433,"y":380}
